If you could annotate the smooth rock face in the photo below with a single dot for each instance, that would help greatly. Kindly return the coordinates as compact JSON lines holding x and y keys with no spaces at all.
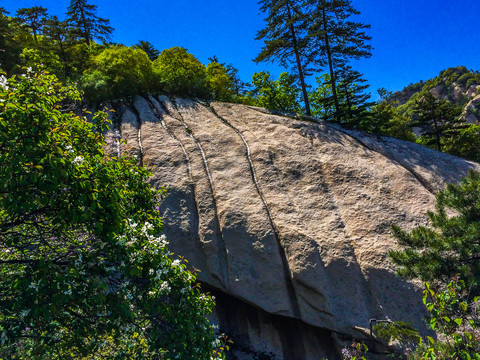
{"x":288,"y":217}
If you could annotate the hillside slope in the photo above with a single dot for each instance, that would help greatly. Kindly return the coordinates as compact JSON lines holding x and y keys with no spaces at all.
{"x":457,"y":85}
{"x":287,"y":219}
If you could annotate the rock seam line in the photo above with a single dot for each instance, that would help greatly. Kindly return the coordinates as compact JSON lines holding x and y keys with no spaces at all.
{"x":212,"y":189}
{"x":164,"y":125}
{"x":139,"y":133}
{"x":187,"y":159}
{"x":283,"y":255}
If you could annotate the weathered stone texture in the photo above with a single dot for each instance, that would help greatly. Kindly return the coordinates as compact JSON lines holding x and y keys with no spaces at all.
{"x":289,"y":216}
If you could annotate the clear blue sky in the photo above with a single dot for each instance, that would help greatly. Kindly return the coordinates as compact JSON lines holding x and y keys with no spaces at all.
{"x":413,"y":39}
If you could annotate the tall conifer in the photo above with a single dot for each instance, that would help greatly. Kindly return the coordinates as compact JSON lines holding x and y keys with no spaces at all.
{"x":89,"y":25}
{"x":337,"y":39}
{"x":285,"y":38}
{"x":32,"y":18}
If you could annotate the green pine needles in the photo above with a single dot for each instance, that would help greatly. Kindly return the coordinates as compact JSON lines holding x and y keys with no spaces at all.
{"x":452,"y":245}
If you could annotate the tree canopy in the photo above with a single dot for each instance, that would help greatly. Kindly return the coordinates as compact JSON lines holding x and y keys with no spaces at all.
{"x":89,"y":25}
{"x":84,"y":269}
{"x":181,"y":73}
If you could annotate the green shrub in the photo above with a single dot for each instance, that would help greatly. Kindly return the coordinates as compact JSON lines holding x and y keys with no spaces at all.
{"x":118,"y":72}
{"x":180,"y":73}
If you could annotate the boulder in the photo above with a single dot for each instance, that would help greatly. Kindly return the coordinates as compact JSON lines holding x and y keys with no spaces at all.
{"x":287,"y":219}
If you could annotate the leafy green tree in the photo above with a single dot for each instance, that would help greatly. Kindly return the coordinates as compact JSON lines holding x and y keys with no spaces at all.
{"x":84,"y":272}
{"x":336,"y":38}
{"x":385,"y":119}
{"x":285,"y":38}
{"x":281,"y":94}
{"x":60,"y":43}
{"x":220,"y":82}
{"x":10,"y":48}
{"x":239,"y":87}
{"x":436,"y":119}
{"x":118,"y":72}
{"x":321,"y":98}
{"x":148,"y":48}
{"x":452,"y":245}
{"x":33,"y":18}
{"x":180,"y":73}
{"x":89,"y":26}
{"x":463,"y":141}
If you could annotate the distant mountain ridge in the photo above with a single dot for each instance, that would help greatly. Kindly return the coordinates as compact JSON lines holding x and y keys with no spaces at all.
{"x":458,"y":85}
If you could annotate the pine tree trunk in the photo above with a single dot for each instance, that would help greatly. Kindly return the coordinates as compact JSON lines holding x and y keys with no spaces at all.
{"x":330,"y":62}
{"x":437,"y":135}
{"x":299,"y":64}
{"x":349,"y":105}
{"x":85,"y":28}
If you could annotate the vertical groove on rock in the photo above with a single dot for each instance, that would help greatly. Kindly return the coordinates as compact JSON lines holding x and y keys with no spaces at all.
{"x":139,"y":134}
{"x":283,"y":255}
{"x":117,"y":128}
{"x":172,"y":135}
{"x":212,"y":189}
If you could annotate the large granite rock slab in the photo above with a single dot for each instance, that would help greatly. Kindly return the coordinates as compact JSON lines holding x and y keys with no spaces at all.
{"x":289,"y":217}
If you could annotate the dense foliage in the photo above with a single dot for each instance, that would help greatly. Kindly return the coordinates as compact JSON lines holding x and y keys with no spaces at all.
{"x":84,"y":271}
{"x":452,"y":246}
{"x":118,"y":72}
{"x":454,"y":316}
{"x":281,"y":94}
{"x":304,"y":35}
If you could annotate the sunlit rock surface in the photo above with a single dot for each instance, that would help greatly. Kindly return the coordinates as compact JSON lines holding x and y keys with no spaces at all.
{"x":287,"y":219}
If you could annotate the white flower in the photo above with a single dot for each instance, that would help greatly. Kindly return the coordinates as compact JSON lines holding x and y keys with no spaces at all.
{"x":69,"y":149}
{"x":79,"y":160}
{"x":176,"y":262}
{"x":3,"y":82}
{"x":164,"y":287}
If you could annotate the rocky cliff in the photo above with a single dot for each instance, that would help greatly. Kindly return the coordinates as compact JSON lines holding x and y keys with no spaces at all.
{"x":287,"y":219}
{"x":458,"y":85}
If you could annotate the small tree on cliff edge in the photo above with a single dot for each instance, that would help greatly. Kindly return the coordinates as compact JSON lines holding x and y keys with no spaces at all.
{"x":437,"y":118}
{"x":452,"y":246}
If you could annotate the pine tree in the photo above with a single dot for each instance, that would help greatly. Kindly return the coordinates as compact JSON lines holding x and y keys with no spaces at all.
{"x":9,"y":48}
{"x":149,"y":49}
{"x":61,"y":39}
{"x":354,"y":101}
{"x":337,"y":39}
{"x":452,"y":246}
{"x":436,"y":118}
{"x":285,"y":38}
{"x":88,"y":24}
{"x":33,"y":18}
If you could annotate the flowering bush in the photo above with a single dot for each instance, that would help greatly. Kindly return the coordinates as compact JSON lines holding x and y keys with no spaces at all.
{"x":84,"y":272}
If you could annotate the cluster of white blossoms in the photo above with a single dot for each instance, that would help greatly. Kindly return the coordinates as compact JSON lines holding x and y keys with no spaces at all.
{"x":79,"y":160}
{"x":3,"y":82}
{"x":69,"y":149}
